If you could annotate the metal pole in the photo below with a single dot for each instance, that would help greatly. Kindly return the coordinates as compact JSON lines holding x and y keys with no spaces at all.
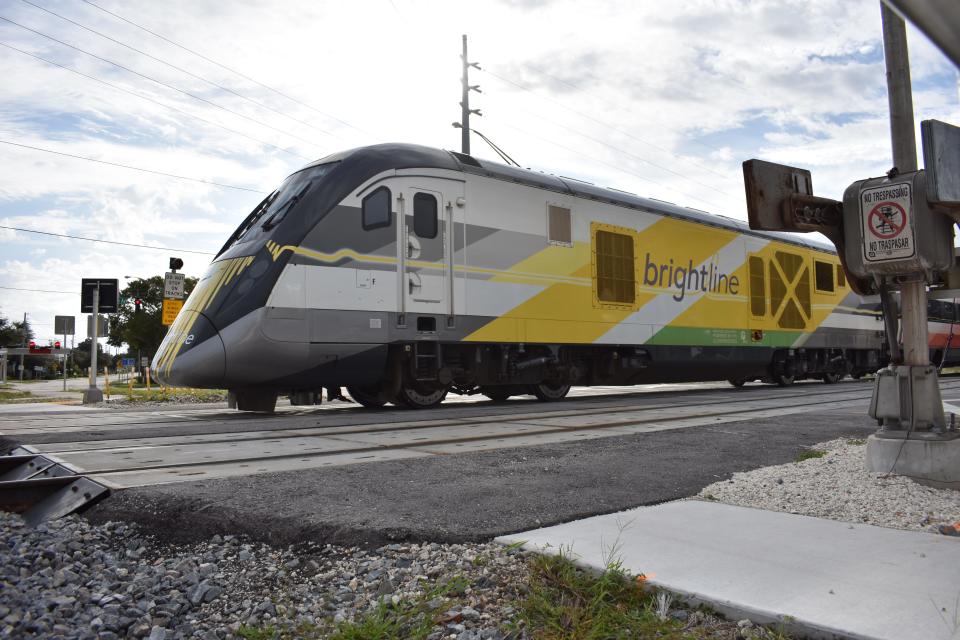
{"x":93,"y":340}
{"x":913,"y":295}
{"x":64,"y":345}
{"x":23,"y":335}
{"x":465,"y":103}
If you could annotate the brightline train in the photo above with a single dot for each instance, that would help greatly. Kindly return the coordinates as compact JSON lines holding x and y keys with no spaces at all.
{"x":403,"y":272}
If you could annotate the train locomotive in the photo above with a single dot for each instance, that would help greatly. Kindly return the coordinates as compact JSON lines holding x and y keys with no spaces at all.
{"x":403,"y":272}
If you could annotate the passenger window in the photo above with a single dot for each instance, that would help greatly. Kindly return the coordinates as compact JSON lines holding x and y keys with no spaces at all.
{"x":425,"y":215}
{"x":758,"y":289}
{"x":616,"y":274}
{"x":376,"y":209}
{"x":823,"y":276}
{"x":558,"y":226}
{"x":841,"y":276}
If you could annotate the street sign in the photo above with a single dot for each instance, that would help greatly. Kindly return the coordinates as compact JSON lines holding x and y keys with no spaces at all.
{"x":103,"y":326}
{"x":170,"y":310}
{"x":65,"y":325}
{"x":109,"y":294}
{"x":144,"y":361}
{"x":173,"y":285}
{"x":128,"y":362}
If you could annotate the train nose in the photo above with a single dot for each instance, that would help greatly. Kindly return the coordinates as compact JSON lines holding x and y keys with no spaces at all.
{"x":191,"y":355}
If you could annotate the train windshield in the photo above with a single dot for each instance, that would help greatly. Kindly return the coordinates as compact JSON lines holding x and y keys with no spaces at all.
{"x":279,"y":204}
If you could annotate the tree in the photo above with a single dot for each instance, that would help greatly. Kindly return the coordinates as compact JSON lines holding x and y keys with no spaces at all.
{"x":142,"y":329}
{"x":81,"y":355}
{"x":12,"y":333}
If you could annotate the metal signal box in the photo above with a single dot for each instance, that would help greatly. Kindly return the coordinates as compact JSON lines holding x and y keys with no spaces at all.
{"x":890,"y":228}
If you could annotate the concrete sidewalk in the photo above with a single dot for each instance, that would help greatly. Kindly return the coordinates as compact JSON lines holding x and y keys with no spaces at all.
{"x":819,"y":578}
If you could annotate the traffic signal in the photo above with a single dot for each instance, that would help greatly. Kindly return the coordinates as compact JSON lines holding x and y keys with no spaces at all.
{"x":136,"y":304}
{"x":56,"y":344}
{"x":176,"y":263}
{"x":33,"y":344}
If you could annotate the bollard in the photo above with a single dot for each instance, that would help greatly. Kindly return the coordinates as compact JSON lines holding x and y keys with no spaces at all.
{"x":106,"y":381}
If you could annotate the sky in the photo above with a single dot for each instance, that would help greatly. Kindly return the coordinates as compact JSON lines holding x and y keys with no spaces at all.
{"x":664,"y":100}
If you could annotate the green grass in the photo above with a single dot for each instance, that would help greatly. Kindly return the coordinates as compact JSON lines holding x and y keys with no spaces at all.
{"x":809,"y":454}
{"x":10,"y":396}
{"x":856,"y":442}
{"x":568,"y":603}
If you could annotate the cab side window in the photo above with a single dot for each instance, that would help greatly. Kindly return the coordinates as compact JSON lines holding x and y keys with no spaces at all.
{"x":376,"y":209}
{"x":425,"y":215}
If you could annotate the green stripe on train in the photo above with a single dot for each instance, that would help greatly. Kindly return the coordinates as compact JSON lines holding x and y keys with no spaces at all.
{"x":700,"y":337}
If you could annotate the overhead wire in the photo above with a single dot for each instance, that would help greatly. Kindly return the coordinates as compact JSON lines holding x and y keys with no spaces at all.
{"x":578,"y":88}
{"x":605,"y":124}
{"x":126,"y":244}
{"x":632,"y":155}
{"x":77,"y":293}
{"x":180,"y":69}
{"x":157,"y":102}
{"x":223,"y":66}
{"x":619,"y":168}
{"x":127,"y":166}
{"x":161,"y":83}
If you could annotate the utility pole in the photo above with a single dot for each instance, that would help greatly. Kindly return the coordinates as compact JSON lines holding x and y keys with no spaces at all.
{"x":465,"y":109}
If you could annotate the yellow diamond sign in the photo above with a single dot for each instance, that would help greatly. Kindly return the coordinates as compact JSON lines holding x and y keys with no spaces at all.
{"x":171,"y":308}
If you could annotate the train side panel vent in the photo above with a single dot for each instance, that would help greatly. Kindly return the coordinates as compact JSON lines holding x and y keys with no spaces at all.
{"x":40,"y":489}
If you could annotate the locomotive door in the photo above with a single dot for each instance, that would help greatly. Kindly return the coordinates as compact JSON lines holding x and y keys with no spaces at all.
{"x":426,"y":249}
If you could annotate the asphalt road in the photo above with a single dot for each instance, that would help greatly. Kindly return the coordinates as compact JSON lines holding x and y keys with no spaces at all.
{"x":475,"y":496}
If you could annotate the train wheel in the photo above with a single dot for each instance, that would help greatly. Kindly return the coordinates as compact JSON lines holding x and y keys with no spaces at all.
{"x":421,"y":396}
{"x":783,"y":380}
{"x":549,"y":392}
{"x":737,"y":382}
{"x":831,"y":378}
{"x":367,"y":396}
{"x":497,"y":394}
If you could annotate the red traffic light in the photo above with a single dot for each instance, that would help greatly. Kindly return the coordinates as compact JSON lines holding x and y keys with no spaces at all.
{"x":33,"y":345}
{"x":56,"y":344}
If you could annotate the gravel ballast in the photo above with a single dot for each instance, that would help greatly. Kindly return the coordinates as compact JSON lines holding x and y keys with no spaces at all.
{"x":837,"y":486}
{"x":71,"y":579}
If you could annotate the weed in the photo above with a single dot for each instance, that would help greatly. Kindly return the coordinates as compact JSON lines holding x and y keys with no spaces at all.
{"x":567,"y":603}
{"x":809,"y":454}
{"x":257,"y":633}
{"x":709,"y":496}
{"x":856,"y":442}
{"x":663,"y":601}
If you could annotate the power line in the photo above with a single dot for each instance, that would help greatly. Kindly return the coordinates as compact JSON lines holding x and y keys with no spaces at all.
{"x":180,"y":69}
{"x":127,"y":166}
{"x":41,"y":291}
{"x":632,"y":155}
{"x":160,"y":82}
{"x":222,"y":66}
{"x":605,"y":124}
{"x":126,"y":244}
{"x":608,"y":164}
{"x":157,"y":102}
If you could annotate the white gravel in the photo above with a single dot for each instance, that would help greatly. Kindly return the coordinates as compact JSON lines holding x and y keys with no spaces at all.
{"x":838,"y":487}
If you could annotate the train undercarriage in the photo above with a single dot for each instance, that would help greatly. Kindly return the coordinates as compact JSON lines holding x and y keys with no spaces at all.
{"x":420,"y":374}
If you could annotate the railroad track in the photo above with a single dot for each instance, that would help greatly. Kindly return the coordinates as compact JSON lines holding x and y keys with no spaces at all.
{"x":221,"y":445}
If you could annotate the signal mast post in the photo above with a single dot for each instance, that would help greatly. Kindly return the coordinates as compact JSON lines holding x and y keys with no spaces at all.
{"x":93,"y":394}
